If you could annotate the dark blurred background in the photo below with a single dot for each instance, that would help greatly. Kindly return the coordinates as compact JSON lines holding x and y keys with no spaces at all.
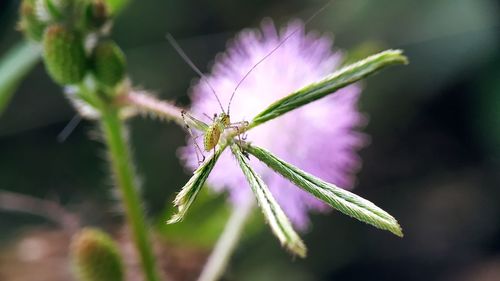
{"x":433,"y":161}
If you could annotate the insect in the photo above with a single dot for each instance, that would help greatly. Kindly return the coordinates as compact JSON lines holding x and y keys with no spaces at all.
{"x":219,"y":123}
{"x":212,"y":133}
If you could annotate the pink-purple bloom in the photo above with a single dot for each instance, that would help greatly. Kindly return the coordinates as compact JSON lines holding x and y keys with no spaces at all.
{"x":320,"y":137}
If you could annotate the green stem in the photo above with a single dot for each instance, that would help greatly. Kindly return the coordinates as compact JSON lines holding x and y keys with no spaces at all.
{"x":218,"y":260}
{"x":120,"y":157}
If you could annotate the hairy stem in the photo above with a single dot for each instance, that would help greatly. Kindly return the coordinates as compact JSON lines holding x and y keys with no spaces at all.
{"x":121,"y":162}
{"x":150,"y":105}
{"x":218,"y":260}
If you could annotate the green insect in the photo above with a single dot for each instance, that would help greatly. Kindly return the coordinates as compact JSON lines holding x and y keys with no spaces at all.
{"x":220,"y":123}
{"x":212,"y":133}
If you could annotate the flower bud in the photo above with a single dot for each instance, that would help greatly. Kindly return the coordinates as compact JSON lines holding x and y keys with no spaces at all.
{"x":108,"y":63}
{"x":96,"y":14}
{"x":63,"y":54}
{"x":30,"y":24}
{"x":95,"y":256}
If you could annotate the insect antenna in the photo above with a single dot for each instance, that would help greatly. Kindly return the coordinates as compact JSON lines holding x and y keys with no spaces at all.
{"x":274,"y":49}
{"x":185,"y":57}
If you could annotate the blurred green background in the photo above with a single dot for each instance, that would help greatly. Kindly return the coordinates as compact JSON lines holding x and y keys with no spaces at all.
{"x":433,"y":161}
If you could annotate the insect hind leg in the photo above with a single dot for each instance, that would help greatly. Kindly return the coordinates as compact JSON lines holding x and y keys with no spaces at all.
{"x":198,"y":150}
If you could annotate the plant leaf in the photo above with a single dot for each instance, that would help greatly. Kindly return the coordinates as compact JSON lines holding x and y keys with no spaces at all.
{"x":14,"y":65}
{"x":188,"y":193}
{"x":337,"y":80}
{"x":273,"y":213}
{"x":338,"y":198}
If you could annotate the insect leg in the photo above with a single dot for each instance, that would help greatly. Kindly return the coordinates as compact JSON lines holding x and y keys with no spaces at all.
{"x":239,"y":125}
{"x":184,"y":114}
{"x":235,"y":126}
{"x":244,"y":123}
{"x":241,"y":138}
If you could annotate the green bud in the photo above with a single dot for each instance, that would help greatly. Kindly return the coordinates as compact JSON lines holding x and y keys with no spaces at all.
{"x":63,"y":54}
{"x":95,"y":256}
{"x":30,"y":24}
{"x":108,"y":63}
{"x":96,"y":14}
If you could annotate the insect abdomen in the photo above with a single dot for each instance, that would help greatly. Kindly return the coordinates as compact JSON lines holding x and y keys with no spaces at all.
{"x":211,"y":138}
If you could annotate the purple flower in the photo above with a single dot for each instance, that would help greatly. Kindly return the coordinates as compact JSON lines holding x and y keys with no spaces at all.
{"x":319,"y":137}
